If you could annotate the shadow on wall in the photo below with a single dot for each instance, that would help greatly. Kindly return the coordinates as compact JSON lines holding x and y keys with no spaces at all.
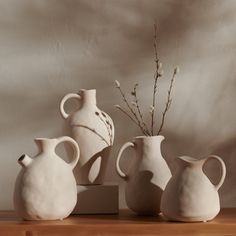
{"x":227,"y":151}
{"x":81,"y":36}
{"x":97,"y":161}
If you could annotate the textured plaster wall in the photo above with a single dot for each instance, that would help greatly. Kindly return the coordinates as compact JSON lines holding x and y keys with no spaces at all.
{"x":50,"y":48}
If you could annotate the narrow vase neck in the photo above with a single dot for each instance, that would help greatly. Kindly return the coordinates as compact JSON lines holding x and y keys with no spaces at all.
{"x":88,"y":97}
{"x":149,"y":146}
{"x":45,"y":145}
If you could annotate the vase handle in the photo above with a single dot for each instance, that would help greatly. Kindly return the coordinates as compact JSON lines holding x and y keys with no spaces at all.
{"x":75,"y":147}
{"x":223,"y":168}
{"x":118,"y":169}
{"x":64,"y":100}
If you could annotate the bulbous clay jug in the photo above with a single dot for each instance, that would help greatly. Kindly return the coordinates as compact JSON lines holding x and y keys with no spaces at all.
{"x":147,"y":177}
{"x":190,"y":195}
{"x":93,"y":130}
{"x":45,"y":188}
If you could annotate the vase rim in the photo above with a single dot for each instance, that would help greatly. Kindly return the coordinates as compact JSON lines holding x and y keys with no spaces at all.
{"x":39,"y":139}
{"x":149,"y":137}
{"x":87,"y":90}
{"x":189,"y":159}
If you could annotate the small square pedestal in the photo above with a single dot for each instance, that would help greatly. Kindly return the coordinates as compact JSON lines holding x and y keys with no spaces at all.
{"x":97,"y":199}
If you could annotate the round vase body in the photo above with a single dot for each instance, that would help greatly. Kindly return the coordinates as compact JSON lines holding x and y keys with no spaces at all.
{"x":190,"y":196}
{"x":45,"y":188}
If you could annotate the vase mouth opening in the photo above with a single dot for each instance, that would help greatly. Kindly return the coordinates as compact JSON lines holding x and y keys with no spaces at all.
{"x":41,"y":139}
{"x":188,"y":159}
{"x":161,"y":137}
{"x":21,"y":158}
{"x":87,"y":90}
{"x":88,"y":96}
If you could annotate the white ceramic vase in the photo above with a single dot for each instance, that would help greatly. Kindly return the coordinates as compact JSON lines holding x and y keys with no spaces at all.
{"x":190,"y":196}
{"x":93,"y":130}
{"x":45,"y":188}
{"x":147,"y":177}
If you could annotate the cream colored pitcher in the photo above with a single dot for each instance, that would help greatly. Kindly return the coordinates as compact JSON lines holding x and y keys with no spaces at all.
{"x":45,"y":188}
{"x":147,"y":177}
{"x":190,"y":195}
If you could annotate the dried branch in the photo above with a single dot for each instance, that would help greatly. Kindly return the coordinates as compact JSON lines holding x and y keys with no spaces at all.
{"x":138,"y":122}
{"x":169,"y":100}
{"x":136,"y":114}
{"x":127,"y":114}
{"x":156,"y":76}
{"x":153,"y":105}
{"x":136,"y":102}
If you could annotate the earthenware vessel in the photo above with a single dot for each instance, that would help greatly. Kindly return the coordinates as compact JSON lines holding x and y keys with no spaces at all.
{"x":45,"y":188}
{"x":190,"y":195}
{"x":93,"y":130}
{"x":147,"y":177}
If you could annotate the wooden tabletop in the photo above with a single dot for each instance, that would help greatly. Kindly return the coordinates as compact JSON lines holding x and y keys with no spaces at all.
{"x":126,"y":223}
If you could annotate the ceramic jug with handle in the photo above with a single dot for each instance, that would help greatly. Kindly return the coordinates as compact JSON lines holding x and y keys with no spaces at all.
{"x":45,"y":188}
{"x":93,"y":130}
{"x":147,"y":177}
{"x":190,"y":195}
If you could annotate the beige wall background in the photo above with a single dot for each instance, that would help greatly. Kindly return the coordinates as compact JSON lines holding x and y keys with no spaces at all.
{"x":50,"y":48}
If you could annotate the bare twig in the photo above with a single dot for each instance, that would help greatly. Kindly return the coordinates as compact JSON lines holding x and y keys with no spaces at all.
{"x":168,"y":103}
{"x":156,"y":76}
{"x":136,"y":101}
{"x":127,"y":114}
{"x":153,"y":105}
{"x":135,"y":114}
{"x":155,"y":42}
{"x":132,"y":111}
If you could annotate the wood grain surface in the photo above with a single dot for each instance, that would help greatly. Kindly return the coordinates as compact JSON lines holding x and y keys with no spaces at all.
{"x":126,"y":223}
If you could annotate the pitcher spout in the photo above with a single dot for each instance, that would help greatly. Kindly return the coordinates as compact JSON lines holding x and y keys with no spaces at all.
{"x":161,"y":137}
{"x":24,"y":160}
{"x":190,"y":161}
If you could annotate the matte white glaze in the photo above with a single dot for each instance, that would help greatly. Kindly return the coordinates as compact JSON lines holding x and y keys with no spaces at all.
{"x":45,"y":188}
{"x":190,"y":195}
{"x":147,"y":177}
{"x":93,"y":130}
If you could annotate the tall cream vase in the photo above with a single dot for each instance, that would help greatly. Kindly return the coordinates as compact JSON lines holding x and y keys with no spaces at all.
{"x":147,"y":177}
{"x":190,"y":196}
{"x":93,"y":130}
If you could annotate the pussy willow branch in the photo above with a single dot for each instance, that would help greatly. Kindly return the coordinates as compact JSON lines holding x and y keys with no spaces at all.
{"x":135,"y":114}
{"x":168,"y":103}
{"x":127,"y":114}
{"x":156,"y":76}
{"x":139,"y":110}
{"x":132,"y":111}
